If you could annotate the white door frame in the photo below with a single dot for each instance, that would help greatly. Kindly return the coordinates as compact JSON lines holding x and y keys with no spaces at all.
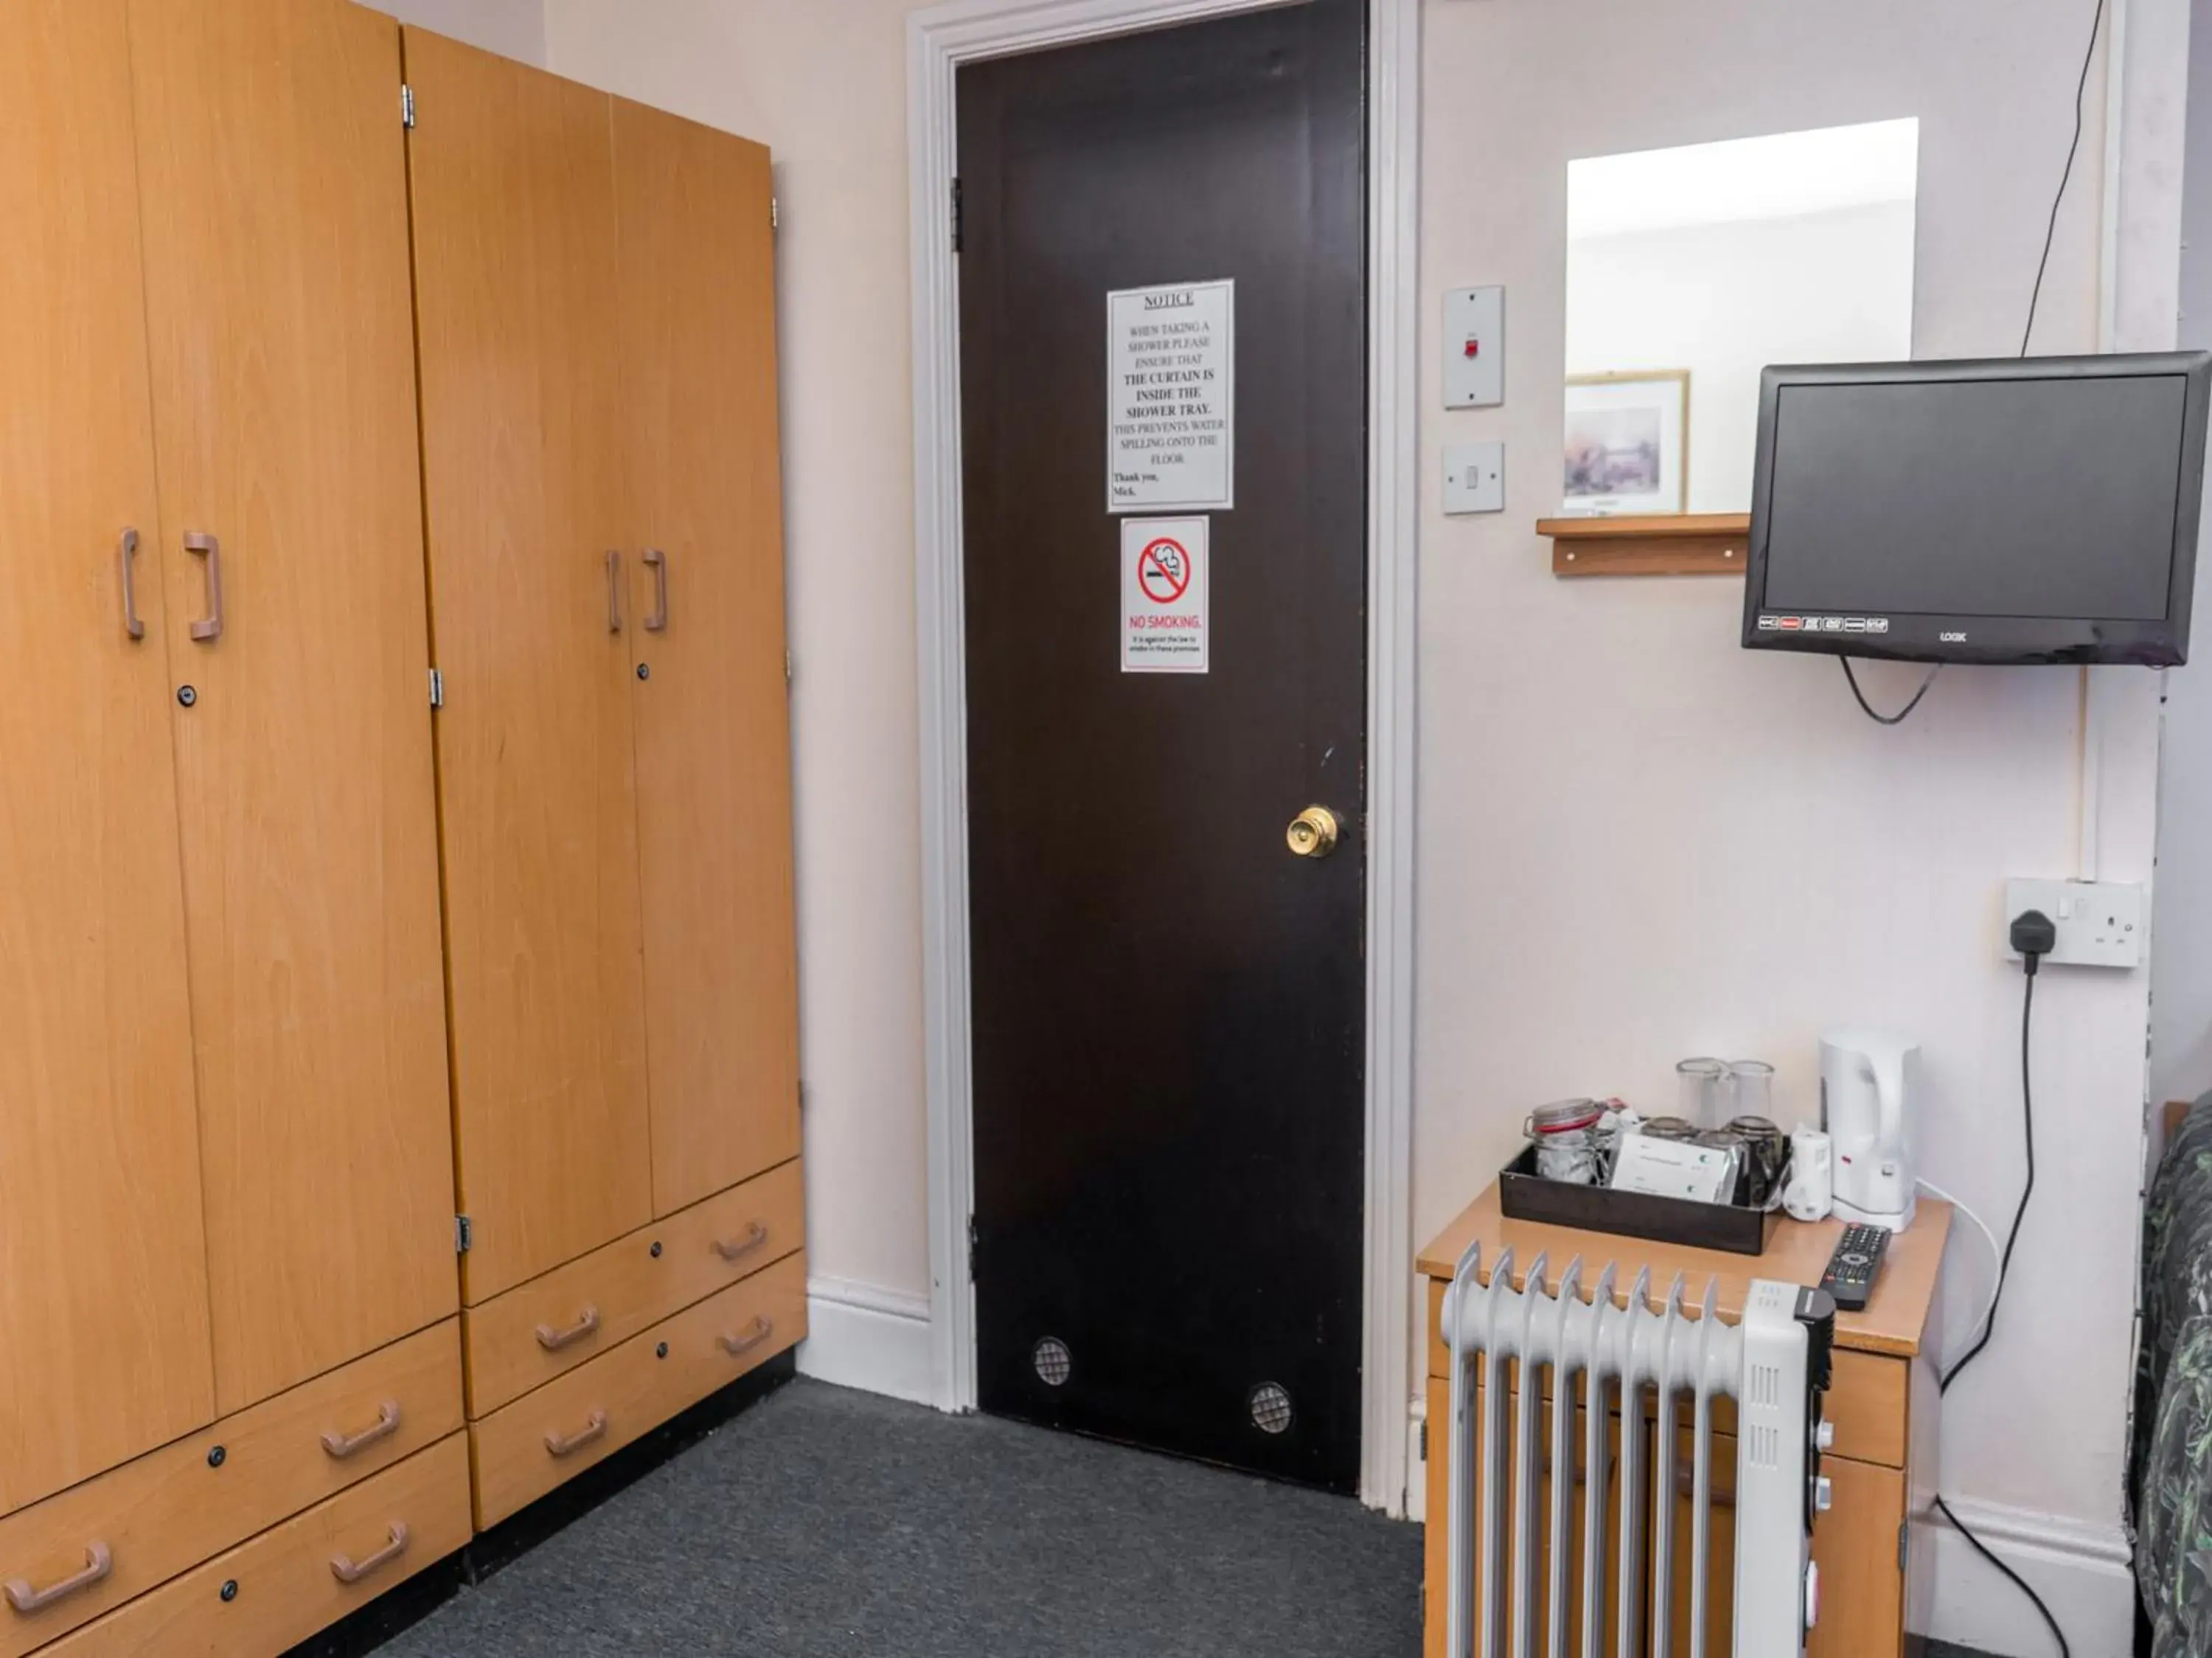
{"x":938,"y":41}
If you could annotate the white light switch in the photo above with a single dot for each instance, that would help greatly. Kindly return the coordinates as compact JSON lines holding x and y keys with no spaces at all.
{"x":2100,"y":923}
{"x":1475,"y":347}
{"x":1475,"y":477}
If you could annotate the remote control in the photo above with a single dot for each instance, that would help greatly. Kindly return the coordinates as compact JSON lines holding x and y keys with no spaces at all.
{"x":1851,"y":1269}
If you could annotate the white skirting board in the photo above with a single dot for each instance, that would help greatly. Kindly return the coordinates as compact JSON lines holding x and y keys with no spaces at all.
{"x":861,"y":1336}
{"x":2082,"y":1569}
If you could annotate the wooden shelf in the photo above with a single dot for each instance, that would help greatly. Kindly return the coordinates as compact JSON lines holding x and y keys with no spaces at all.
{"x":1669,"y":543}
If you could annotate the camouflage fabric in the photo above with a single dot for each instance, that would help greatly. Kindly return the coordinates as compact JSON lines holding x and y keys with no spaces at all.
{"x":2170,"y":1459}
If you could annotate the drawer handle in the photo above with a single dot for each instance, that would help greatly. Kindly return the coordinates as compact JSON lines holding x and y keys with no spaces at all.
{"x":554,"y":1340}
{"x":98,"y":1560}
{"x":342,"y":1446}
{"x":762,"y":1330}
{"x":347,"y":1570}
{"x":595,"y":1427}
{"x":736,"y":1249}
{"x":657,"y":561}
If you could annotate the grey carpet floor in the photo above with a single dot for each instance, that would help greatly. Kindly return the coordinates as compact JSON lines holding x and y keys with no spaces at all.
{"x":824,"y":1522}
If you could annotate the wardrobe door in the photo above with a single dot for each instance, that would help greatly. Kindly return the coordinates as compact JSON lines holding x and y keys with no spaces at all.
{"x":274,"y":191}
{"x":103,"y":1287}
{"x":714,"y":748}
{"x":515,"y":265}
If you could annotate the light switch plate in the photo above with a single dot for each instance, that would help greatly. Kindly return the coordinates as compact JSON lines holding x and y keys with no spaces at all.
{"x":1475,"y":477}
{"x":2100,"y":923}
{"x":1475,"y":347}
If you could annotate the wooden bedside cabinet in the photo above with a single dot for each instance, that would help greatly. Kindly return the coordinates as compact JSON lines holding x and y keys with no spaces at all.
{"x":1877,"y":1577}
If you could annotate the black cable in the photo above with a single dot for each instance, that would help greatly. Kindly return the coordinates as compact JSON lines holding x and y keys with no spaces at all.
{"x":2026,"y":1192}
{"x":2049,"y":230}
{"x":2004,"y":1266}
{"x":1902,"y":714}
{"x":1982,"y":1549}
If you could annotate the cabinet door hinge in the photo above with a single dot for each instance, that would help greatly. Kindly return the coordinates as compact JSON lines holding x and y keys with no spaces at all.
{"x":463,"y":1235}
{"x":1904,"y":1529}
{"x":1425,"y":1441}
{"x":787,"y":669}
{"x":971,"y":1249}
{"x":437,"y":689}
{"x":959,"y":221}
{"x":775,"y":214}
{"x":406,"y":105}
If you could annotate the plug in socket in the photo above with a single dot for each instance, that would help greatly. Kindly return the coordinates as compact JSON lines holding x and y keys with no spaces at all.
{"x":2100,"y":923}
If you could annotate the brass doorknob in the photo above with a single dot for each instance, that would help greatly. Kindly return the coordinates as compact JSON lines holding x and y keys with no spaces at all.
{"x":1313,"y":832}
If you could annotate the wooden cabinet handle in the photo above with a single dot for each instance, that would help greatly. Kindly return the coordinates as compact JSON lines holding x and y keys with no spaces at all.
{"x":127,"y":553}
{"x":554,"y":1340}
{"x":614,"y":592}
{"x":657,"y":561}
{"x":209,"y":628}
{"x":595,"y":1427}
{"x":346,"y":1569}
{"x":342,"y":1446}
{"x":736,"y":1249}
{"x":98,"y":1560}
{"x":762,"y":1330}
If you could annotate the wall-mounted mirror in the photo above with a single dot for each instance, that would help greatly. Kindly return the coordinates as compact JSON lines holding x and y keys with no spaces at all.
{"x":1690,"y":270}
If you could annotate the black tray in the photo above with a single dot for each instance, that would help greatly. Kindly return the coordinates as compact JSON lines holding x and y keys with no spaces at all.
{"x":1525,"y":1195}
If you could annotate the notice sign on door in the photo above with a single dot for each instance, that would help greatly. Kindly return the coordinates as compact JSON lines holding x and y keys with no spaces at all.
{"x":1163,"y":616}
{"x":1171,"y":397}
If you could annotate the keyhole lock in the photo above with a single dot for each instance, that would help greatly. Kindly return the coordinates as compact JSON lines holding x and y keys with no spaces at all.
{"x":186,"y":696}
{"x":1313,"y":833}
{"x":229,"y":1589}
{"x":645,"y":670}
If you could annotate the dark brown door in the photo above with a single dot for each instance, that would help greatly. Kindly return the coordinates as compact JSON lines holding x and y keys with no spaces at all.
{"x":1169,"y":1002}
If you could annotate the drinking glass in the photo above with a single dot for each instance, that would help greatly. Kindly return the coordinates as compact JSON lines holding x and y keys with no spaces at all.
{"x":1699,"y":1084}
{"x":1751,"y":1089}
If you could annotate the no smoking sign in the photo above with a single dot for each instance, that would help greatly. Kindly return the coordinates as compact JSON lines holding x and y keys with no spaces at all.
{"x":1163,"y":609}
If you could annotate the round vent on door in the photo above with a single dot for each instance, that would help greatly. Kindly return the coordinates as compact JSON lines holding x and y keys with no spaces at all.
{"x":1055,"y":1363}
{"x":1271,"y":1408}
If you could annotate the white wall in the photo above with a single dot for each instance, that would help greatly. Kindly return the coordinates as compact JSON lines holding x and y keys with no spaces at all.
{"x":1725,"y":299}
{"x":1653,"y":843}
{"x":1637,"y":841}
{"x":2181,"y":931}
{"x":514,"y":28}
{"x":824,"y":84}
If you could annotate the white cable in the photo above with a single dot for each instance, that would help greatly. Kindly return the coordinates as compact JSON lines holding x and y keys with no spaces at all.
{"x":1989,"y":1237}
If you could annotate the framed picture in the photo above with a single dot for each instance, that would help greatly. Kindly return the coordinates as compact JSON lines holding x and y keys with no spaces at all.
{"x":1628,"y":442}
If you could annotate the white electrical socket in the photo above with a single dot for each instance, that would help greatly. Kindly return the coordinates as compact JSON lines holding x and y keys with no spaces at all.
{"x":2100,"y":923}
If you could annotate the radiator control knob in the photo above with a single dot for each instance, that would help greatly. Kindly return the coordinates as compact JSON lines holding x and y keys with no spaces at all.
{"x":1812,"y":1593}
{"x":1825,"y":1436}
{"x":1824,"y":1494}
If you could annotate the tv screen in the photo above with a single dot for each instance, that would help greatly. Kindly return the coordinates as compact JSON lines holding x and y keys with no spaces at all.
{"x":2035,"y":510}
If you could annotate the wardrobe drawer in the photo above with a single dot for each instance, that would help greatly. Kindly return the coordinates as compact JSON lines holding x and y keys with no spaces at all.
{"x":287,"y":1584}
{"x":174,"y":1508}
{"x":544,"y":1328}
{"x":526,"y":1449}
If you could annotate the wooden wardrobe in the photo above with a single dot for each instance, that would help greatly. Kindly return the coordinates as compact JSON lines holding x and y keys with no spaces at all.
{"x":285,"y":950}
{"x":594,"y":285}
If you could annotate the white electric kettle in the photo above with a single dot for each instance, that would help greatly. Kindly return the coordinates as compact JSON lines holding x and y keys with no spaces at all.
{"x":1868,"y":1083}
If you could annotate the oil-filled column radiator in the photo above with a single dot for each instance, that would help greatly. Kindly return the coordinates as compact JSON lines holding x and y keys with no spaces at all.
{"x":1774,"y":1363}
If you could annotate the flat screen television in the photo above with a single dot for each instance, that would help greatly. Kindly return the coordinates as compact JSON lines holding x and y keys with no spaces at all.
{"x":2037,"y":509}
